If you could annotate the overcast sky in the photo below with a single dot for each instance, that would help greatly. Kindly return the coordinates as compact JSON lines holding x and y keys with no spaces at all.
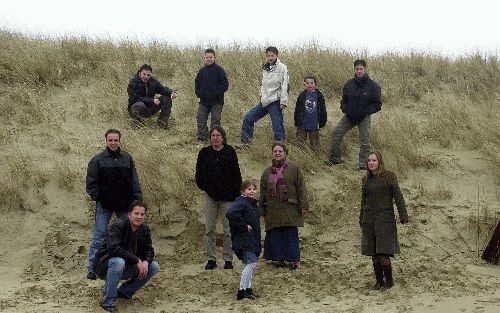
{"x":446,"y":27}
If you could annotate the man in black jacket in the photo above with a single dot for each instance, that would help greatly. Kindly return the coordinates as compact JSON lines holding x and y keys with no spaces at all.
{"x":142,"y":89}
{"x":127,"y":254}
{"x":218,"y":175}
{"x":210,"y":85}
{"x":360,"y":98}
{"x":113,"y":184}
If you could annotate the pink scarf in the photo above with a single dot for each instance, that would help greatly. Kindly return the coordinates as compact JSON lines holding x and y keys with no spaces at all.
{"x":277,"y":182}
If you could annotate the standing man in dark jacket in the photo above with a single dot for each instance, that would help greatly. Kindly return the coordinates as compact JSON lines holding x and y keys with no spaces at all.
{"x":210,"y":85}
{"x":142,"y":103}
{"x":128,"y":254}
{"x":113,"y":184}
{"x":218,"y":175}
{"x":360,"y":99}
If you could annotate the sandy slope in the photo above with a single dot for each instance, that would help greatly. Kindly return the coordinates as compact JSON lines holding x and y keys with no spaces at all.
{"x":43,"y":250}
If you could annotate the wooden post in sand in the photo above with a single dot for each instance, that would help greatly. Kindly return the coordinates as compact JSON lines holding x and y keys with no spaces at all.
{"x":492,"y":252}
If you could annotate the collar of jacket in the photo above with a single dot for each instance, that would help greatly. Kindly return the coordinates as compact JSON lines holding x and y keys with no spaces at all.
{"x":128,"y":225}
{"x":138,"y":79}
{"x":113,"y":153}
{"x":211,"y":65}
{"x":271,"y":68}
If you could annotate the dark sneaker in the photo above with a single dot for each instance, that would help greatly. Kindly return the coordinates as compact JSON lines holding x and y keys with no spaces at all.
{"x":109,"y":308}
{"x":243,"y":294}
{"x":250,"y":292}
{"x":91,"y":276}
{"x":211,"y":264}
{"x":333,"y":163}
{"x":228,"y":265}
{"x":378,"y":285}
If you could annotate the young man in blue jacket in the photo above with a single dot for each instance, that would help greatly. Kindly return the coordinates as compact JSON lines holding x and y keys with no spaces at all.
{"x":360,"y":99}
{"x":210,"y":85}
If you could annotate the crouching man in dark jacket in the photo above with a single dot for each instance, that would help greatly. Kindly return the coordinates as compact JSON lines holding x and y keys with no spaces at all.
{"x":127,"y":254}
{"x":142,"y":103}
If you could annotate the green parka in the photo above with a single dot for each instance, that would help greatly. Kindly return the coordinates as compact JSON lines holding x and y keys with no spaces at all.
{"x":278,"y":213}
{"x":376,"y":216}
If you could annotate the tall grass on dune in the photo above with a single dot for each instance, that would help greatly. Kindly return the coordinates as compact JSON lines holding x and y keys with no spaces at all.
{"x":64,"y":93}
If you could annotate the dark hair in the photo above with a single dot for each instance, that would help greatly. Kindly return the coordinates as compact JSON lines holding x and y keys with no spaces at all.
{"x":310,"y":77}
{"x":113,"y":131}
{"x":210,"y":50}
{"x":281,"y":144}
{"x":247,"y":183}
{"x":220,"y":130}
{"x":360,"y":62}
{"x":146,"y":67}
{"x":137,"y":203}
{"x":272,"y":49}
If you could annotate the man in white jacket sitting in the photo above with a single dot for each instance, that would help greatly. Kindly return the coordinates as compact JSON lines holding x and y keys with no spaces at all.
{"x":273,"y":98}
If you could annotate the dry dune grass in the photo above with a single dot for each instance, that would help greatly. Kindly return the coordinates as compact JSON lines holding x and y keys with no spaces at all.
{"x":438,"y":130}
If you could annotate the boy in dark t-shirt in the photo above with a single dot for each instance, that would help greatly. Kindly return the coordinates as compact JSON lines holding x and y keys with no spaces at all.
{"x":310,"y":113}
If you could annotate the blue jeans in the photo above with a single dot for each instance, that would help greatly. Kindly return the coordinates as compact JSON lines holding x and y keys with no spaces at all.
{"x":102,"y":217}
{"x":118,"y":270}
{"x":259,"y":112}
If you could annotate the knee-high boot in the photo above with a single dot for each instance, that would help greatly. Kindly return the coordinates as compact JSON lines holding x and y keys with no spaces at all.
{"x":388,"y":276}
{"x":379,"y":275}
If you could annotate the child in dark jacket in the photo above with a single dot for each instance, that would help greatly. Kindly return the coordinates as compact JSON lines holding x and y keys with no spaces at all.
{"x":210,"y":85}
{"x":244,"y":222}
{"x":310,"y":113}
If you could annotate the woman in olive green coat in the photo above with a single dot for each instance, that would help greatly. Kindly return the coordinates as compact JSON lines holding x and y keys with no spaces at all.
{"x":283,"y":203}
{"x":377,"y":220}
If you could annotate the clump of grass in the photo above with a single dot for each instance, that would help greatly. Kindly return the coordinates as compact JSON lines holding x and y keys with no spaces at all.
{"x":441,"y":192}
{"x":21,"y":174}
{"x":70,"y":175}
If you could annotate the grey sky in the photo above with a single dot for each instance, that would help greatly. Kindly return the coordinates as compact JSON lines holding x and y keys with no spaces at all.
{"x":447,"y":27}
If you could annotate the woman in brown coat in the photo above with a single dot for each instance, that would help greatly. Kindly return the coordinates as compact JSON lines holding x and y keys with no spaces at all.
{"x":377,"y":220}
{"x":283,"y":203}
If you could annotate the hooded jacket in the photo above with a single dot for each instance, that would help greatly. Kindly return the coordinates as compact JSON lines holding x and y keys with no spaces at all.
{"x":300,"y":107}
{"x":274,"y":85}
{"x":243,"y":212}
{"x":360,"y":99}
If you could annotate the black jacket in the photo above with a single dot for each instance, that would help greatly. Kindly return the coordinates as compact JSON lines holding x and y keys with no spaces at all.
{"x":243,"y":212}
{"x":139,"y":91}
{"x":218,"y":173}
{"x":360,"y":99}
{"x":112,"y":180}
{"x":123,"y":243}
{"x":210,"y":84}
{"x":300,"y":107}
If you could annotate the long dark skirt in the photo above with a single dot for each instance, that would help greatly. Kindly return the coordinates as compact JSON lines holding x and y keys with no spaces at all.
{"x":282,"y":244}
